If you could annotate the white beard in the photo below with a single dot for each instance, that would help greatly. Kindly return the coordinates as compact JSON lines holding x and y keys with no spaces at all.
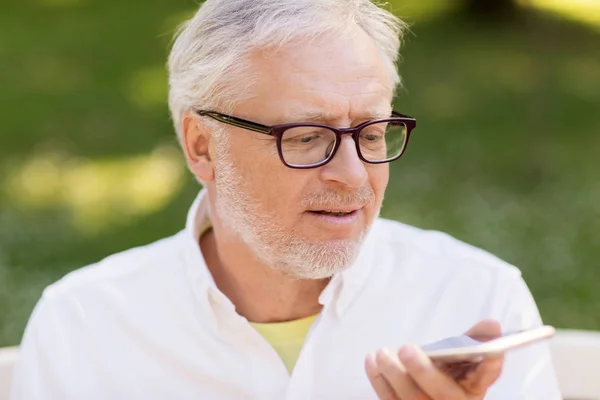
{"x":262,"y":232}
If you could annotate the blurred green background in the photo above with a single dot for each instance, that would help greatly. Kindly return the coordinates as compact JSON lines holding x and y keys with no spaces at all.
{"x":505,"y":156}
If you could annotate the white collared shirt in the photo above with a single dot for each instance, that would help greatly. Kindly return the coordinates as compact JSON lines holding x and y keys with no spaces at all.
{"x":149,"y":323}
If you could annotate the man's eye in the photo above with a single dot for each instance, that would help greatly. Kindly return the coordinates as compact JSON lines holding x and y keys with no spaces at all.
{"x":308,"y":138}
{"x":372,"y":136}
{"x":303,"y":138}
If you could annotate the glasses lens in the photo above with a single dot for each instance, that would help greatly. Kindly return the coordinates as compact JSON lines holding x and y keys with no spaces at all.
{"x":383,"y":140}
{"x":306,"y":145}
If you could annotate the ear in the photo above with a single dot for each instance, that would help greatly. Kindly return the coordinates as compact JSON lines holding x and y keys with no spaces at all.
{"x":195,"y":140}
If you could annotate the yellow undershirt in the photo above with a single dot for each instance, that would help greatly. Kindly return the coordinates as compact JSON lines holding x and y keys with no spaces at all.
{"x":287,"y":338}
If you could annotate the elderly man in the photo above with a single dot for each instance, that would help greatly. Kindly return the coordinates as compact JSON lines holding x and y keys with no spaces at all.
{"x":284,"y":283}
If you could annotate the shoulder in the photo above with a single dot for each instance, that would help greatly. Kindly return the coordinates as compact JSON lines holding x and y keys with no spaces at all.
{"x":128,"y":287}
{"x":126,"y":283}
{"x":437,"y":251}
{"x":150,"y":259}
{"x":437,"y":272}
{"x":112,"y":304}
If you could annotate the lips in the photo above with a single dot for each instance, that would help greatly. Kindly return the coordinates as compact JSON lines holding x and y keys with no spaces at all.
{"x":334,"y":213}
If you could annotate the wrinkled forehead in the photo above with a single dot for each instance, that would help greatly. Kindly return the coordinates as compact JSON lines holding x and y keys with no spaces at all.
{"x":329,"y":78}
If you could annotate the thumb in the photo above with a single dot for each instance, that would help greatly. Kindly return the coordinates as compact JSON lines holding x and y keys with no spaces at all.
{"x":485,"y":330}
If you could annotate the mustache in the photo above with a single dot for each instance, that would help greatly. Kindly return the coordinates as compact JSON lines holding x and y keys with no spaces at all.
{"x":331,"y":198}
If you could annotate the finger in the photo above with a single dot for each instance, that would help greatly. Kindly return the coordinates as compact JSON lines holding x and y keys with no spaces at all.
{"x":397,"y":377}
{"x":457,"y":371}
{"x":429,"y":379}
{"x":379,"y":383}
{"x":480,"y":379}
{"x":485,"y":330}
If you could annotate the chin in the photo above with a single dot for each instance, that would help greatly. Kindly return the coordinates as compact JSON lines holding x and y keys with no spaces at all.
{"x":318,"y":260}
{"x":315,"y":272}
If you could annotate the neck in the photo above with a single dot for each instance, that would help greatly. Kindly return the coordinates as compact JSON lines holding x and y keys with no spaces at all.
{"x":259,"y":292}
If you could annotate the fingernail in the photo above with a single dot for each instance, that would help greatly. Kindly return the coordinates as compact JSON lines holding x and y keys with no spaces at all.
{"x":383,"y":354}
{"x":407,"y":352}
{"x":370,"y":361}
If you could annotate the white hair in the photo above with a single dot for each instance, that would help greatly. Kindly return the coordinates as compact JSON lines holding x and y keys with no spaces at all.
{"x":209,"y":51}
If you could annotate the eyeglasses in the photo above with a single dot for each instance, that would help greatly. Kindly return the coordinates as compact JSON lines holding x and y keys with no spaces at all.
{"x":309,"y":145}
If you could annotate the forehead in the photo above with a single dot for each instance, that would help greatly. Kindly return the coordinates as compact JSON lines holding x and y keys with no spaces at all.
{"x":331,"y":77}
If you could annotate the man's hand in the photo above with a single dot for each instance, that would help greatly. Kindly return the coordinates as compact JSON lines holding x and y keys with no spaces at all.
{"x":411,"y":375}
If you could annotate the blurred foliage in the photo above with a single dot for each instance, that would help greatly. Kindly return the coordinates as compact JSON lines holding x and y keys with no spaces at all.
{"x":490,"y":9}
{"x":504,"y":156}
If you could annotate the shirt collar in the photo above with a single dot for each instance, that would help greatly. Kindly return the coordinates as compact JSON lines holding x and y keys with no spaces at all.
{"x":339,"y":293}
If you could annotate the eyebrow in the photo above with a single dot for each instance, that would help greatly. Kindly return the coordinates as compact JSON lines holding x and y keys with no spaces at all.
{"x":320,"y":115}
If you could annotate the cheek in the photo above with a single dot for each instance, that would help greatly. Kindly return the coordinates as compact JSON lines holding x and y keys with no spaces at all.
{"x":379,"y":176}
{"x":275,"y":187}
{"x":251,"y":158}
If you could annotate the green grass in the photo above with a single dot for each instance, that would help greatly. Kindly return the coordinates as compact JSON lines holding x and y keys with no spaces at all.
{"x":504,"y":156}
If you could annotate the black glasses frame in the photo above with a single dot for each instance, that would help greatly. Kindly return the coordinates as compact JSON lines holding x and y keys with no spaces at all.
{"x":277,"y":131}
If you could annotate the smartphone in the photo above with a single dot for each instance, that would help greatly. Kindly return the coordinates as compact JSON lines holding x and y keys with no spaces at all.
{"x":459,"y":355}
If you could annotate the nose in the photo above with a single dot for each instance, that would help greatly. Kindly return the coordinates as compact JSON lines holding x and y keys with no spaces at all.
{"x":346,"y":167}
